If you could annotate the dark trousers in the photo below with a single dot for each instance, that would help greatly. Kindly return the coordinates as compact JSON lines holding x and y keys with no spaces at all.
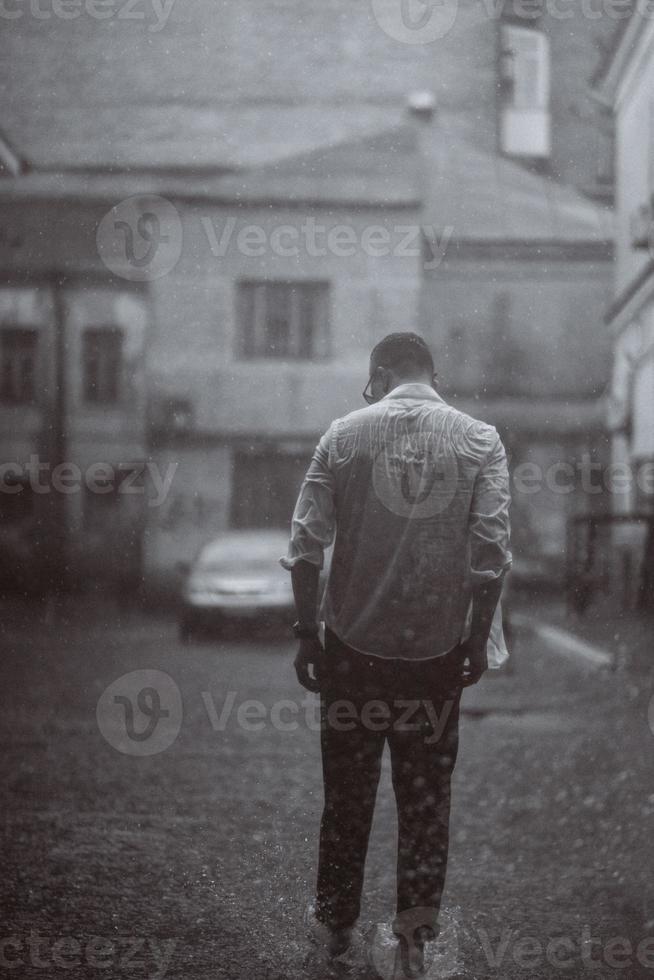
{"x":415,"y":706}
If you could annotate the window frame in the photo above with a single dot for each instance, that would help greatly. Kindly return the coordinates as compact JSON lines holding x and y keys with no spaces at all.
{"x":101,"y":400}
{"x":19,"y":398}
{"x":512,"y":36}
{"x":255,"y":298}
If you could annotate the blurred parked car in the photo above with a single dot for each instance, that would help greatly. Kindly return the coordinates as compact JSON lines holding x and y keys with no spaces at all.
{"x":237,"y":576}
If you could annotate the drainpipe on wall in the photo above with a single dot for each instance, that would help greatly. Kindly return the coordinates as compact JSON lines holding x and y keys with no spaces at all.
{"x":55,"y":529}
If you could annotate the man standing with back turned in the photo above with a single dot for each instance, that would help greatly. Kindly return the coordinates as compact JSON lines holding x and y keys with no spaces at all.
{"x":416,"y":494}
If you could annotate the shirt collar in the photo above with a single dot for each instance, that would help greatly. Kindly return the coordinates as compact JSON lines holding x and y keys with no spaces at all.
{"x":414,"y":389}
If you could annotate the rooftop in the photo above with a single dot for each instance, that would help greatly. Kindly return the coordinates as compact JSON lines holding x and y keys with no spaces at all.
{"x":356,"y":156}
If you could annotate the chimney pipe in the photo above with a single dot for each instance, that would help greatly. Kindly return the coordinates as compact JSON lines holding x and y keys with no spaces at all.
{"x":422,"y":105}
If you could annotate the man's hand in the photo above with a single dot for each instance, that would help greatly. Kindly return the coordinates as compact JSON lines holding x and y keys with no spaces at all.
{"x":310,"y":655}
{"x":474,"y":661}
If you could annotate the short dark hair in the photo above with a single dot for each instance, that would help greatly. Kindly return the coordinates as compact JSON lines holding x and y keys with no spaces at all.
{"x":404,"y":352}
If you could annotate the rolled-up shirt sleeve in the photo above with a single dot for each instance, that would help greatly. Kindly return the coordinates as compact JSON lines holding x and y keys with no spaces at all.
{"x":313,"y":523}
{"x":490,"y":530}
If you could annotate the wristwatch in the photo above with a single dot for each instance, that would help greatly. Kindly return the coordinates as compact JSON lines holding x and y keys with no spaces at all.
{"x":305,"y":632}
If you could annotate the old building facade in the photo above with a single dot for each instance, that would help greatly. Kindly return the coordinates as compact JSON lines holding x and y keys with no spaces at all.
{"x":215,"y":86}
{"x":626,"y":82}
{"x":208,"y":306}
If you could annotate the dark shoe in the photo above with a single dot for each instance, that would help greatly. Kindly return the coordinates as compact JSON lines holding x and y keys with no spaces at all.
{"x":334,"y":941}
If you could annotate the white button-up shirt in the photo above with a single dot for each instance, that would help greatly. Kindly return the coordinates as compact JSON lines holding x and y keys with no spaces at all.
{"x":416,"y":495}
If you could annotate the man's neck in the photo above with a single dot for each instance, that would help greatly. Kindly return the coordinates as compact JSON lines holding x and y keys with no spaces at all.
{"x":412,"y":381}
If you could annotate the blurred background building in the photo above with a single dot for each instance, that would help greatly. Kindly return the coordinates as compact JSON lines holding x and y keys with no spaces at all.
{"x":625,"y":81}
{"x":309,"y":183}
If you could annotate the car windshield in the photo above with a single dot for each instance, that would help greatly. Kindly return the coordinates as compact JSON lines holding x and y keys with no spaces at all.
{"x":244,"y":553}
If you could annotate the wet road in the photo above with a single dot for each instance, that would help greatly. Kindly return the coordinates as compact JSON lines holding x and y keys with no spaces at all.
{"x":188,"y":849}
